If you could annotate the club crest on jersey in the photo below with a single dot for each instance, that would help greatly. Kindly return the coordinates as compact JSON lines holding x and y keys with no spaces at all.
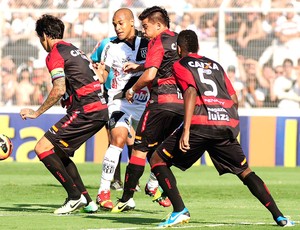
{"x":174,"y":46}
{"x":143,"y":52}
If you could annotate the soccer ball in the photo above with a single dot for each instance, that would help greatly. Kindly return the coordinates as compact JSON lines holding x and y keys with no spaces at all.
{"x":6,"y":147}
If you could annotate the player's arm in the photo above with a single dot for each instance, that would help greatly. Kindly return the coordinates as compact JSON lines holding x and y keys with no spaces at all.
{"x":101,"y":70}
{"x":189,"y":97}
{"x":231,"y":91}
{"x":146,"y":78}
{"x":235,"y":100}
{"x":57,"y":91}
{"x":130,"y":67}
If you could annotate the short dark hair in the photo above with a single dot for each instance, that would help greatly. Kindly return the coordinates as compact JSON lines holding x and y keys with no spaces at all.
{"x":52,"y":26}
{"x":156,"y":13}
{"x":188,"y":41}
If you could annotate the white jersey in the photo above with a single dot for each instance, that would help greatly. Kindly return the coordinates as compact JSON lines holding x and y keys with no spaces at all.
{"x":116,"y":54}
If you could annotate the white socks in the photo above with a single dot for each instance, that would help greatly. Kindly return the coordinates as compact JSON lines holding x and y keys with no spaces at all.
{"x":109,"y":164}
{"x":152,"y":182}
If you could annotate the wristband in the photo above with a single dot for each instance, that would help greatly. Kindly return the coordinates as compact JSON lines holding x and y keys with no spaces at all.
{"x":131,"y":91}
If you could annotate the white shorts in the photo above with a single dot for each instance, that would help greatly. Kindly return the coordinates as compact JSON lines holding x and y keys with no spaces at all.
{"x":128,"y":114}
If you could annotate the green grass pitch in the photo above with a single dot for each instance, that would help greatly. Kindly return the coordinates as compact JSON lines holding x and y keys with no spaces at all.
{"x":29,"y":195}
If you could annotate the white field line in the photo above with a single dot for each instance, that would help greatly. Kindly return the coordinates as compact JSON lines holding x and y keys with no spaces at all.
{"x":195,"y":226}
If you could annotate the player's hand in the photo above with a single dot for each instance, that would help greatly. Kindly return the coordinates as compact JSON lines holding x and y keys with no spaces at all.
{"x":184,"y":144}
{"x":129,"y":96}
{"x":28,"y":113}
{"x":130,"y":67}
{"x":99,"y":69}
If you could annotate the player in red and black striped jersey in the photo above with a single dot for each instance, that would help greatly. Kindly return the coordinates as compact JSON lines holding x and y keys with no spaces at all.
{"x":211,"y":123}
{"x":164,"y":111}
{"x":78,"y":88}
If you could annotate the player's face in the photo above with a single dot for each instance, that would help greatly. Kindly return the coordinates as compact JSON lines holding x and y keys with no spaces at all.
{"x":150,"y":29}
{"x":44,"y":43}
{"x":124,"y":27}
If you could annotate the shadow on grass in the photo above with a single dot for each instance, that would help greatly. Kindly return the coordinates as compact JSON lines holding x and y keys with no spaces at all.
{"x":44,"y":208}
{"x":135,"y":220}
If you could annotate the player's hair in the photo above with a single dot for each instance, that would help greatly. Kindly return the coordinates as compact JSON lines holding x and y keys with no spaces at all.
{"x":52,"y":26}
{"x":188,"y":41}
{"x":154,"y":14}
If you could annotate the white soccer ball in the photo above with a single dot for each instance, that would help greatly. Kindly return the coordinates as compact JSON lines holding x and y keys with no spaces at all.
{"x":6,"y":147}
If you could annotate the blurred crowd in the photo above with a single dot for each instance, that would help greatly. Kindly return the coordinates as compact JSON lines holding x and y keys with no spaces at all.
{"x":265,"y":68}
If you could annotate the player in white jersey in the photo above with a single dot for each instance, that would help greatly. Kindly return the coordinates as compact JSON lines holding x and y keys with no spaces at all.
{"x":125,"y":55}
{"x":127,"y":67}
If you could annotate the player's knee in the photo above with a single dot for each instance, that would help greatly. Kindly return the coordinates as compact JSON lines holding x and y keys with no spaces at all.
{"x":155,"y":159}
{"x":118,"y":141}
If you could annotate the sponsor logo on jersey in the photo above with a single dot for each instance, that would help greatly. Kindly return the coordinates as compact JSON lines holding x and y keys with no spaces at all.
{"x":217,"y":114}
{"x":141,"y":96}
{"x":204,"y":65}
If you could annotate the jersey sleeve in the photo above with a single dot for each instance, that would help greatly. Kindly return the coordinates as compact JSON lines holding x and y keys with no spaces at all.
{"x":55,"y":64}
{"x":183,"y":76}
{"x":96,"y":54}
{"x":155,"y":54}
{"x":229,"y":86}
{"x":108,"y":56}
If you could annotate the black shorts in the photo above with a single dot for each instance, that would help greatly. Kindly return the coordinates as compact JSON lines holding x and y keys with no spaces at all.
{"x":226,"y":154}
{"x":70,"y":132}
{"x":155,"y":126}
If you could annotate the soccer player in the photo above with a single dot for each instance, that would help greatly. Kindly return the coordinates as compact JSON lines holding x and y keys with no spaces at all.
{"x":211,"y":123}
{"x":96,"y":57}
{"x":125,"y":56}
{"x":117,"y":183}
{"x":164,"y":111}
{"x":79,"y":89}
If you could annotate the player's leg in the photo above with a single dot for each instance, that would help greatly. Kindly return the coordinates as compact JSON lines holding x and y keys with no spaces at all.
{"x":73,"y":172}
{"x":130,"y":143}
{"x":166,"y":122}
{"x":134,"y":171}
{"x":168,"y":183}
{"x":153,"y":189}
{"x":117,"y":184}
{"x":46,"y":154}
{"x":259,"y":189}
{"x":119,"y":125}
{"x":109,"y":164}
{"x":228,"y":157}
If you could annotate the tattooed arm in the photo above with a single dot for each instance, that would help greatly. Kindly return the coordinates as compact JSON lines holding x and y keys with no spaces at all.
{"x":58,"y":90}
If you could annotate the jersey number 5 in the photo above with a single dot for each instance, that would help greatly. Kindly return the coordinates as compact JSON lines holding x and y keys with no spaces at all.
{"x":210,"y":82}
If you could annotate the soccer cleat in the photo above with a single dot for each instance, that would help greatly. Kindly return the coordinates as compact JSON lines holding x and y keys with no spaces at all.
{"x":71,"y":205}
{"x":90,"y":208}
{"x":116,"y":185}
{"x":284,"y":222}
{"x":158,"y":196}
{"x":103,"y":199}
{"x":124,"y":206}
{"x":176,"y":218}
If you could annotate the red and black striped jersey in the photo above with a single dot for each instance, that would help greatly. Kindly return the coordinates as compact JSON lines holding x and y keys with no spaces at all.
{"x":162,"y":54}
{"x":83,"y":89}
{"x":215,"y":114}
